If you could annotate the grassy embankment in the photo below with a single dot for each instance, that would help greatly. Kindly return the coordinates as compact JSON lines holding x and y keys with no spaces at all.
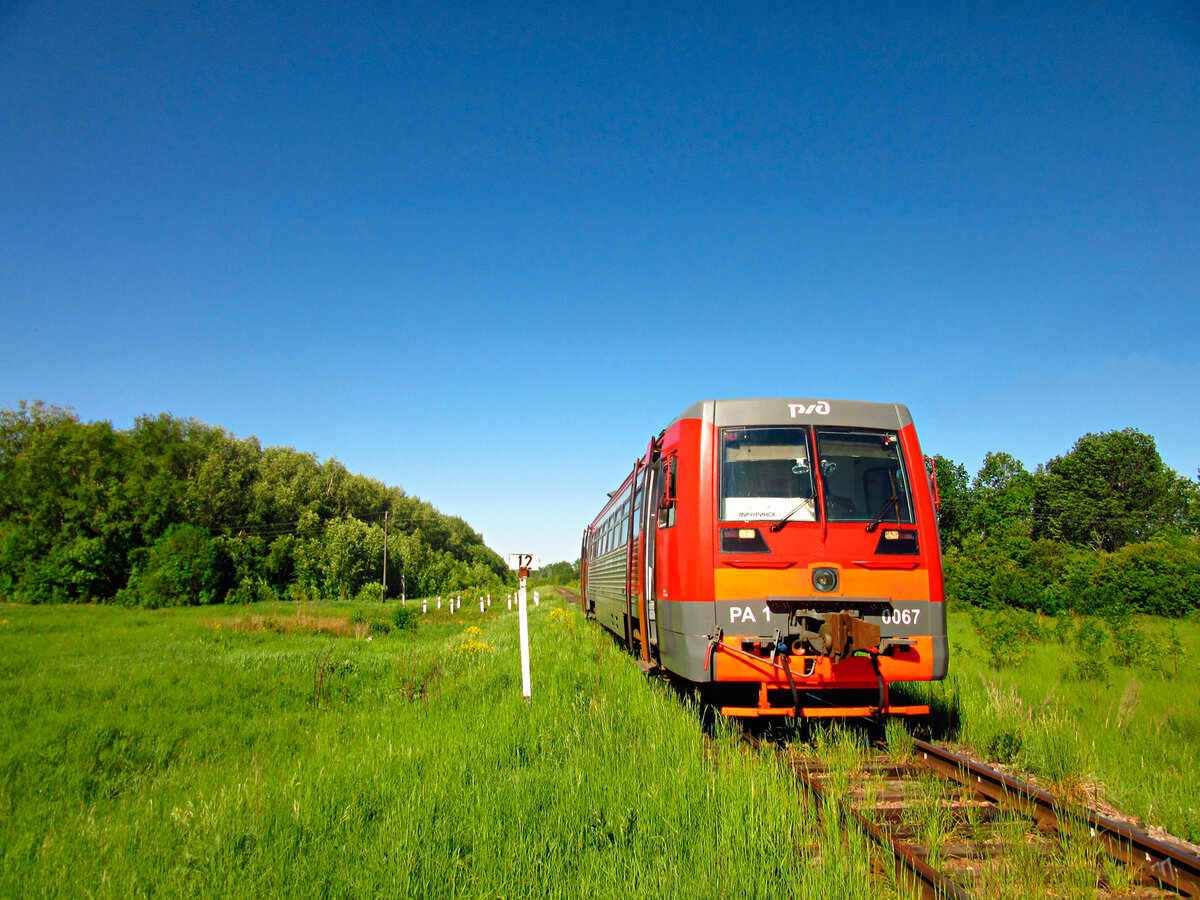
{"x":273,"y":750}
{"x":244,"y":752}
{"x":1089,"y":707}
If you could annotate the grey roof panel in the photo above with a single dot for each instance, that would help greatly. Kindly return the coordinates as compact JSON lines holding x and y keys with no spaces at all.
{"x":799,"y":411}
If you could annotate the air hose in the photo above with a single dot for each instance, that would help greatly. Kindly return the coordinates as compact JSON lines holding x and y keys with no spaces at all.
{"x":787,"y":670}
{"x":883,"y":694}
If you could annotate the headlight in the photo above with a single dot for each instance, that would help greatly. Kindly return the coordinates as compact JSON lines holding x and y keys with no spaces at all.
{"x":825,"y":580}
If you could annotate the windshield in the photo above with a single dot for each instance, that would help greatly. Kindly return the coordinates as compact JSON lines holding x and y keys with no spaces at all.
{"x":863,"y":476}
{"x":765,"y":474}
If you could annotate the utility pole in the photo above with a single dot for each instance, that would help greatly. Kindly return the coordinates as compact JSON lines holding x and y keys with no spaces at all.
{"x":383,"y":598}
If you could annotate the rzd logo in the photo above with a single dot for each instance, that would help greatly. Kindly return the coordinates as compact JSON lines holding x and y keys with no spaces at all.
{"x":821,"y":408}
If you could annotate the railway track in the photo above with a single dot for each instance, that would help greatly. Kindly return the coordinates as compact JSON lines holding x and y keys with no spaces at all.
{"x":957,"y":829}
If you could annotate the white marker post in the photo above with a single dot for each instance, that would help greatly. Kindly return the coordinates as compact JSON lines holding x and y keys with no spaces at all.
{"x":523,"y":564}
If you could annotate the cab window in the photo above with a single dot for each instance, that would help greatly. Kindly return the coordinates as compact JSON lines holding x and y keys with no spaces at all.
{"x":863,"y":476}
{"x":766,"y":473}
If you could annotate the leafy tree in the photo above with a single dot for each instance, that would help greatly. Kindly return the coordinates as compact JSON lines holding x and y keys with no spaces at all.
{"x":1002,"y":494}
{"x":954,"y":511}
{"x":218,"y":492}
{"x":1110,"y":490}
{"x":164,"y":453}
{"x":1105,"y":528}
{"x":351,"y":556}
{"x":64,"y":532}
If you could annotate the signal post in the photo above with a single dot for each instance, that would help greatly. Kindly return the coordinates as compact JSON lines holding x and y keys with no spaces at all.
{"x":523,"y":564}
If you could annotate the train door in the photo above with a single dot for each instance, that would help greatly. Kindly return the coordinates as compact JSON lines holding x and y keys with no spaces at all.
{"x":661,"y":527}
{"x":583,"y":573}
{"x":649,"y":507}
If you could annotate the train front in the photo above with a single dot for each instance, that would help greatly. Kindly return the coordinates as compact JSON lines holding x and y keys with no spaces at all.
{"x":827,"y":578}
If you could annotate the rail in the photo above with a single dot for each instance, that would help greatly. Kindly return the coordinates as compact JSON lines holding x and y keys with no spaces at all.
{"x":1158,"y":860}
{"x":1147,"y":859}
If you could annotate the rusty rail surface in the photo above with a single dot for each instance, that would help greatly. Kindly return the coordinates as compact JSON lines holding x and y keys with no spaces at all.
{"x":1162,"y":862}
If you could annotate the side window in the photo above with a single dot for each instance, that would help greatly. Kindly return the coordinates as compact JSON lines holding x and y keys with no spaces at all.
{"x":667,"y":499}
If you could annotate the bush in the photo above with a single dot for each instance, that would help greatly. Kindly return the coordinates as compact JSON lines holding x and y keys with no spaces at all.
{"x":404,"y":619}
{"x":1158,"y":653}
{"x":251,"y":590}
{"x":1008,"y":635}
{"x":1062,"y":628}
{"x":1006,"y":571}
{"x":1091,"y":662}
{"x":1003,"y":745}
{"x":1157,"y":577}
{"x":371,"y":592}
{"x":179,"y":570}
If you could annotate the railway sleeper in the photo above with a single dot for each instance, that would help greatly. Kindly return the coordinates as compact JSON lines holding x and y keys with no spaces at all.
{"x":961,"y":815}
{"x":972,"y":850}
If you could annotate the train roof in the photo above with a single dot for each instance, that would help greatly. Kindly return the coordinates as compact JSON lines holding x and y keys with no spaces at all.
{"x":788,"y":411}
{"x":798,"y":411}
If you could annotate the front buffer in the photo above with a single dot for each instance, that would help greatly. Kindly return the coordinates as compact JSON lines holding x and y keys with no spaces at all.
{"x":812,"y":656}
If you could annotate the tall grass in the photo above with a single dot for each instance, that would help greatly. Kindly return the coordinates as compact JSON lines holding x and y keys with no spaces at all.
{"x":197,"y":752}
{"x":1100,"y":711}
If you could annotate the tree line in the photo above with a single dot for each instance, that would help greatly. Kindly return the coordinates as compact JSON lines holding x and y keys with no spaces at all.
{"x":174,"y":511}
{"x":1105,"y":529}
{"x":557,"y":573}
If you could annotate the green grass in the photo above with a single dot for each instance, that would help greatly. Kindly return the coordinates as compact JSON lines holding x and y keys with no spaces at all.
{"x":1091,"y":708}
{"x":244,"y":751}
{"x":174,"y":753}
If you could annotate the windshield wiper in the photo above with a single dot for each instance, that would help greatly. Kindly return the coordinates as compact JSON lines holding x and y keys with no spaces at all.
{"x":778,"y":526}
{"x":887,"y":505}
{"x":883,"y":511}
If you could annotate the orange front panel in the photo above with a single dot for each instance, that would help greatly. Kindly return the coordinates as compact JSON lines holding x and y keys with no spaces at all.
{"x":742,"y":584}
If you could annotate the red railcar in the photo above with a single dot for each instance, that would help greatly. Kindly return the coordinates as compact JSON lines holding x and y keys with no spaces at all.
{"x":781,"y":554}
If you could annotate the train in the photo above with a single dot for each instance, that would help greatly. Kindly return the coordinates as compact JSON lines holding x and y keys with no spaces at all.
{"x":780,"y":556}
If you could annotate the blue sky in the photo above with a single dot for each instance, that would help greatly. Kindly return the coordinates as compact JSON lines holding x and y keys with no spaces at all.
{"x":485,"y":250}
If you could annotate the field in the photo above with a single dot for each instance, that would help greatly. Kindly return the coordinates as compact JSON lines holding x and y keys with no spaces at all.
{"x":301,"y":751}
{"x":171,"y":753}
